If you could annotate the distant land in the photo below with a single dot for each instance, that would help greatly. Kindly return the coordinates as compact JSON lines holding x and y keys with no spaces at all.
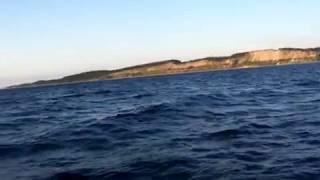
{"x":250,"y":59}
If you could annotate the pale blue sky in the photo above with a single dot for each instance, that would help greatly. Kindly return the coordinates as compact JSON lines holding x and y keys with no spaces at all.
{"x":52,"y":38}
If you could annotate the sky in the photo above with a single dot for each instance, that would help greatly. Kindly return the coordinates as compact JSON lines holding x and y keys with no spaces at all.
{"x":53,"y":38}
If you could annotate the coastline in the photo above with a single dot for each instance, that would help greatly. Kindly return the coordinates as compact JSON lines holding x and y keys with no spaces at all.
{"x":165,"y":74}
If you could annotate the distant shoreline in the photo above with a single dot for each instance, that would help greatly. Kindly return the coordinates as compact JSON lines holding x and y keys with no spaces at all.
{"x":163,"y":75}
{"x":243,"y":60}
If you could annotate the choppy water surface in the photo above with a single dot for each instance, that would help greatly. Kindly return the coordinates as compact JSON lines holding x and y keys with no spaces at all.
{"x":241,"y":124}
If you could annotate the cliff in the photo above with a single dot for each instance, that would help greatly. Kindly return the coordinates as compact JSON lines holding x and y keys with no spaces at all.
{"x":239,"y":60}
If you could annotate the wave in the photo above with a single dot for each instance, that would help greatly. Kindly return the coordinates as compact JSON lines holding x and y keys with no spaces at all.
{"x":226,"y":134}
{"x":259,"y":126}
{"x":72,"y":96}
{"x":141,"y":96}
{"x":157,"y":169}
{"x":150,"y":110}
{"x":69,"y":176}
{"x":83,"y":94}
{"x":308,"y":83}
{"x":20,"y":150}
{"x":103,"y":92}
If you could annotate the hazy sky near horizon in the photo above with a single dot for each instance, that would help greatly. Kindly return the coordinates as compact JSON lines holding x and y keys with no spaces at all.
{"x":49,"y":39}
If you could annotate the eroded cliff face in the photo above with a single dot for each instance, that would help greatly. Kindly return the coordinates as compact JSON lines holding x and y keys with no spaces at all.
{"x":239,"y":60}
{"x":279,"y":55}
{"x":247,"y":59}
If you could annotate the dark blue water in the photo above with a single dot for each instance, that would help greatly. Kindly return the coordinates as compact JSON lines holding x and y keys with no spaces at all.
{"x":241,"y":124}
